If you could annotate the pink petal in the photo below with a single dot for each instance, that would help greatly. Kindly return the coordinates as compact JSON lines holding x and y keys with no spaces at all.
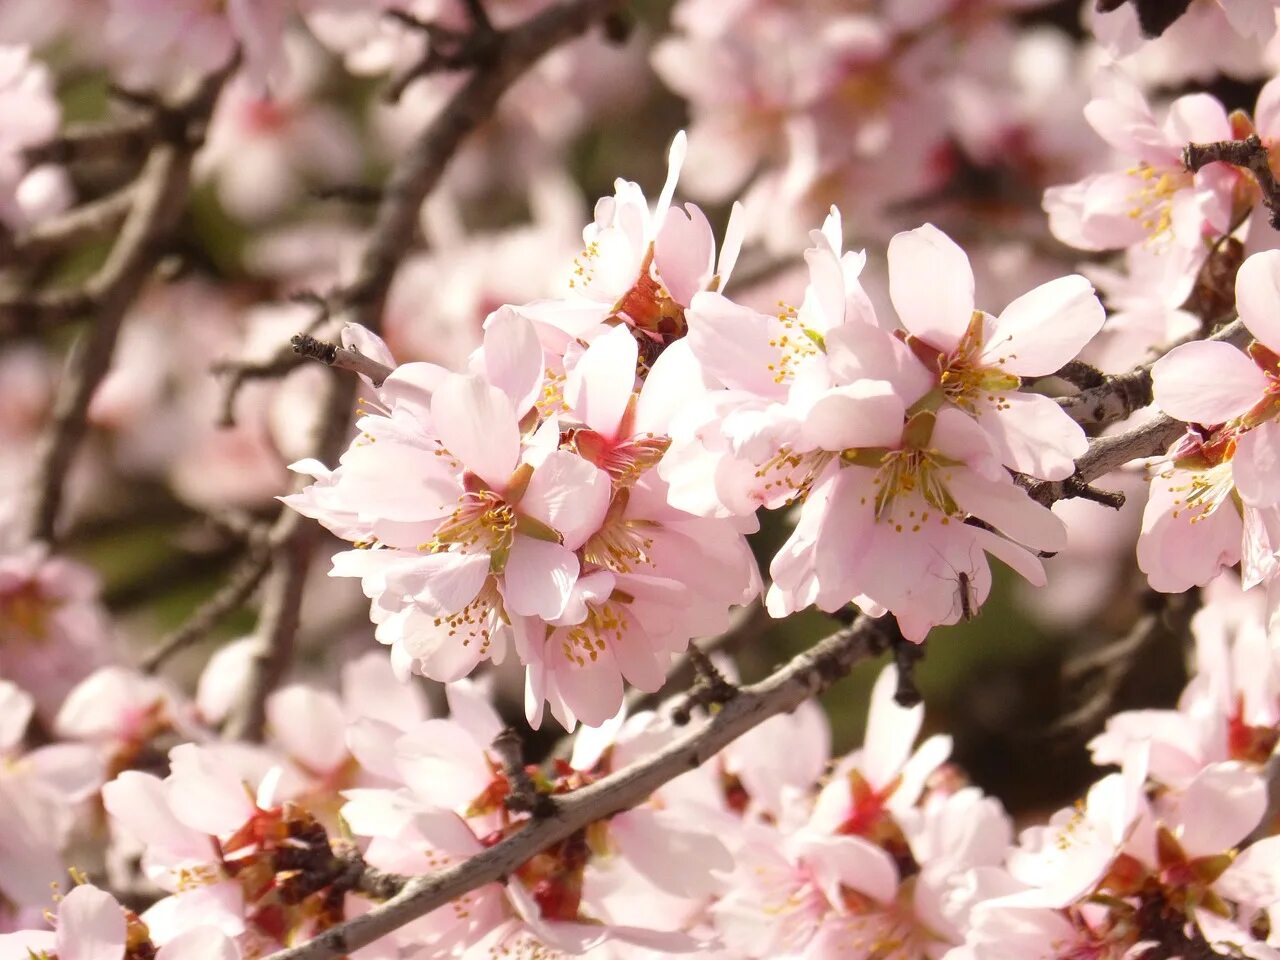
{"x":675,"y":160}
{"x":513,"y":357}
{"x":477,"y":424}
{"x":734,"y":233}
{"x":16,"y":707}
{"x":309,"y":725}
{"x":440,"y":583}
{"x":1256,"y":465}
{"x":675,"y":855}
{"x":732,"y":342}
{"x":673,"y":384}
{"x":683,"y":253}
{"x":867,"y":413}
{"x":1206,"y":382}
{"x":1254,"y":877}
{"x":90,"y":926}
{"x":1008,"y":508}
{"x":1258,"y":297}
{"x":472,"y":709}
{"x":1219,"y":808}
{"x":200,"y":943}
{"x":600,"y":385}
{"x":442,"y":764}
{"x":206,"y":792}
{"x":370,"y":689}
{"x":931,"y":285}
{"x":538,"y":578}
{"x":1045,"y":327}
{"x":569,"y":495}
{"x":1033,"y":434}
{"x":850,"y":862}
{"x":138,"y":801}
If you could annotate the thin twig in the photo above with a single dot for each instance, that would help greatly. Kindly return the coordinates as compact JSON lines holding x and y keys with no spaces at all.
{"x":236,"y":373}
{"x":341,"y":358}
{"x":1101,"y":673}
{"x":239,"y":587}
{"x":804,"y":677}
{"x":120,"y":140}
{"x":523,"y":795}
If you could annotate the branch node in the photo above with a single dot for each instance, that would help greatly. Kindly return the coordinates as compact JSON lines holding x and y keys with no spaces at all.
{"x":709,"y":687}
{"x":524,"y":795}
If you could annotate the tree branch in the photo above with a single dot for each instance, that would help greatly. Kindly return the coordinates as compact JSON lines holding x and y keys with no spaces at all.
{"x":159,"y":197}
{"x":89,"y":221}
{"x":1119,"y":396}
{"x":805,"y":676}
{"x":239,"y":587}
{"x":1248,"y":154}
{"x":391,"y":236}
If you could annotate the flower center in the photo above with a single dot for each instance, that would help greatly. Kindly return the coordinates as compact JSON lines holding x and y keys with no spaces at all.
{"x":1153,"y":197}
{"x":25,"y":611}
{"x":583,"y":642}
{"x":481,"y":519}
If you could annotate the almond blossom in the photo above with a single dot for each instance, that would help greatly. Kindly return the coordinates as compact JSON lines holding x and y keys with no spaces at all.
{"x":640,"y":267}
{"x":1153,"y":197}
{"x":890,"y":442}
{"x":56,"y":632}
{"x":1227,"y":458}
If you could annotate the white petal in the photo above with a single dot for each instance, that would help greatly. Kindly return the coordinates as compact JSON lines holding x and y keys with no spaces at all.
{"x":513,"y":357}
{"x":1256,"y":465}
{"x":90,"y":925}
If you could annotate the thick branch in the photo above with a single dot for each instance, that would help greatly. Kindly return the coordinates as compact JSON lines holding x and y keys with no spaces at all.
{"x":1105,"y":454}
{"x":422,"y":167}
{"x":806,"y":676}
{"x":121,"y":140}
{"x":159,"y":197}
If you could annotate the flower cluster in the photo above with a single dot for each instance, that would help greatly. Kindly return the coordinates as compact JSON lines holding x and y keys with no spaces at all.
{"x":580,"y":492}
{"x":771,"y":849}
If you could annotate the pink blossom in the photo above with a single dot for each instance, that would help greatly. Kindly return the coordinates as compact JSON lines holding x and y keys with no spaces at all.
{"x":1154,"y":196}
{"x":32,"y":116}
{"x":640,"y":268}
{"x":980,"y":360}
{"x":37,"y":792}
{"x":264,"y":145}
{"x":159,"y":38}
{"x":55,"y":630}
{"x":1229,"y":455}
